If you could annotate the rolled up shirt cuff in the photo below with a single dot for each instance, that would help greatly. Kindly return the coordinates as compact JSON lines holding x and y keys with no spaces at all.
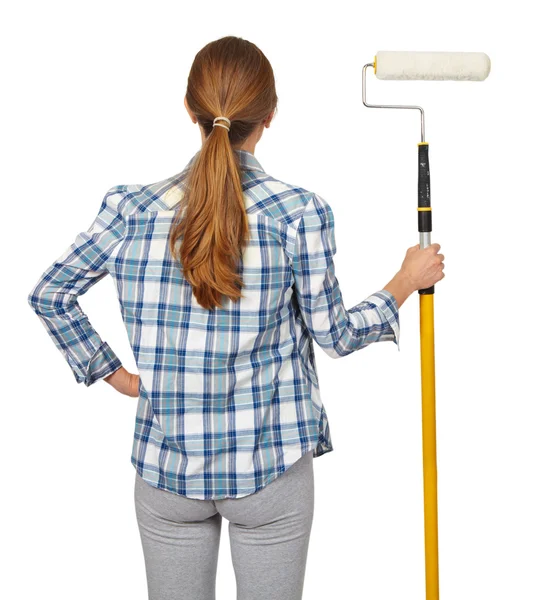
{"x":388,"y":307}
{"x":103,"y":363}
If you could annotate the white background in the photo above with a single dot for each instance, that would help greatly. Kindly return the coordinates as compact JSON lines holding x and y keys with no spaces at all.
{"x":93,"y":97}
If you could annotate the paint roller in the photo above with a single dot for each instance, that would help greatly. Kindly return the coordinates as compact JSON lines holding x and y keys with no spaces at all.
{"x":455,"y":66}
{"x":431,"y":66}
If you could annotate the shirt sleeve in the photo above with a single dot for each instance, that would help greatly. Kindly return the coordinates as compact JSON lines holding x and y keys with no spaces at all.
{"x":54,"y":298}
{"x":337,"y":330}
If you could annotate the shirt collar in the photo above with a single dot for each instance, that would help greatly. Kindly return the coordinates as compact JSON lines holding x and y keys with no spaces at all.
{"x":247,"y":161}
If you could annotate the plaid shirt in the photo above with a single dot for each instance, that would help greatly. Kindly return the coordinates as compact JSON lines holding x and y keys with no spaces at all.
{"x":229,"y":398}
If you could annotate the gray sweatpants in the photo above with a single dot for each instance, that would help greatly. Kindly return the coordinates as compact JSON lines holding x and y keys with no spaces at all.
{"x":269,"y":534}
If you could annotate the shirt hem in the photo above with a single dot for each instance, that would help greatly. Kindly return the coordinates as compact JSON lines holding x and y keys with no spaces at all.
{"x":319,"y":448}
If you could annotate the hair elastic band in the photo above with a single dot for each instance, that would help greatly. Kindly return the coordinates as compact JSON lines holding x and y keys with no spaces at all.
{"x":220,"y":124}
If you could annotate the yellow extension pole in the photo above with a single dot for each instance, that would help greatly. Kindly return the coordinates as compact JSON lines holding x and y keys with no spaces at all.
{"x":427,"y":363}
{"x":429,"y":451}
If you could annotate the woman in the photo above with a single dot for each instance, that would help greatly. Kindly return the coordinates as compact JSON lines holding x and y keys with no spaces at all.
{"x":225,"y":276}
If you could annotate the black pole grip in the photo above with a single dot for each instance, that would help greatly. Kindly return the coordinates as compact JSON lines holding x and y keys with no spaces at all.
{"x":424,"y":205}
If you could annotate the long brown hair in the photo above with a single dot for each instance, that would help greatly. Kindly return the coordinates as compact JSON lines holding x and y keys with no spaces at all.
{"x":229,"y":77}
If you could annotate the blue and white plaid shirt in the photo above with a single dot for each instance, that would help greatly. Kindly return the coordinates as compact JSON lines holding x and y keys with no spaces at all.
{"x":229,"y":398}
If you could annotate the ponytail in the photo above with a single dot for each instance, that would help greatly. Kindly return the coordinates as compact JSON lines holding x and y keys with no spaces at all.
{"x":214,"y":224}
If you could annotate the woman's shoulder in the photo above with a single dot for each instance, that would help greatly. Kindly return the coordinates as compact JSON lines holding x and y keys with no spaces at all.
{"x":285,"y":201}
{"x":138,"y":198}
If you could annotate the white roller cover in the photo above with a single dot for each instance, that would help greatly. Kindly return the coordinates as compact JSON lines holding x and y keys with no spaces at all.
{"x":459,"y":66}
